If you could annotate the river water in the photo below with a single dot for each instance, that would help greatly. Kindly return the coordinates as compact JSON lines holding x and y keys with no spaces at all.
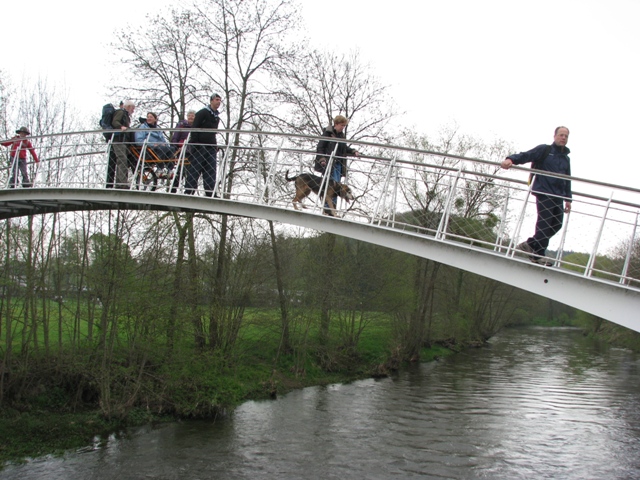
{"x":536,"y":403}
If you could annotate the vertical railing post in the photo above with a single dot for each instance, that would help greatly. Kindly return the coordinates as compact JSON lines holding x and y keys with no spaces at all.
{"x":592,"y":258}
{"x":221,"y":173}
{"x":139,"y":164}
{"x":180,"y":169}
{"x":268,"y":184}
{"x":512,"y":244}
{"x":565,"y":229}
{"x":384,"y":192}
{"x":503,"y":221}
{"x":109,"y":146}
{"x":394,"y":199}
{"x":14,"y":168}
{"x":444,"y":220}
{"x":324,"y":184}
{"x":627,"y":259}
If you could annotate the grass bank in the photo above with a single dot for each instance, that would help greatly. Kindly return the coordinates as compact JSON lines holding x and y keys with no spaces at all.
{"x":69,"y":400}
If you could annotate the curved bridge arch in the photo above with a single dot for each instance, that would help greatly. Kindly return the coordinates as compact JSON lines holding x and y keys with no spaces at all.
{"x":598,"y":297}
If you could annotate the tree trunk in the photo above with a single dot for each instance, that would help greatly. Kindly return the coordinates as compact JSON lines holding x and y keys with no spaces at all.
{"x":284,"y":315}
{"x":325,"y":295}
{"x":194,"y":287}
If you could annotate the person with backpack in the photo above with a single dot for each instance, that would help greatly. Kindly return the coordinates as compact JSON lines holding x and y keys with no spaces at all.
{"x":204,"y":149}
{"x":105,"y":123}
{"x":550,"y":192}
{"x":19,"y":147}
{"x":122,"y":121}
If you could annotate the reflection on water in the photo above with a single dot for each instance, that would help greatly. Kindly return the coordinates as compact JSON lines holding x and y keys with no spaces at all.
{"x":536,"y":403}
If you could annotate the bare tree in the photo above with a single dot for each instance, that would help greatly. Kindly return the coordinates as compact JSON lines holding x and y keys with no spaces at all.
{"x":318,"y":86}
{"x":245,"y":41}
{"x":161,"y":63}
{"x":474,"y":212}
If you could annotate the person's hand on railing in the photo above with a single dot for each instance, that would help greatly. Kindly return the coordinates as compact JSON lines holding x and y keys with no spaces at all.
{"x":506,"y":163}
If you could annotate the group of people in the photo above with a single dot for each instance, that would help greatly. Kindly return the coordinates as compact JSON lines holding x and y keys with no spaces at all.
{"x":553,"y":194}
{"x":202,"y":153}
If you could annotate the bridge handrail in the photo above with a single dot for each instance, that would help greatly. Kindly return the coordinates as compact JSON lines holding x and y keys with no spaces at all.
{"x":315,"y":138}
{"x":377,"y":179}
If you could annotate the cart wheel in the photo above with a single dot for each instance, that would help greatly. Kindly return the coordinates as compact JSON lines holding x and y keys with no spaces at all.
{"x":149,"y":180}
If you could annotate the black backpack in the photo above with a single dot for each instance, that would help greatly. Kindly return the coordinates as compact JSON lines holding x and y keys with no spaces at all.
{"x":105,"y":120}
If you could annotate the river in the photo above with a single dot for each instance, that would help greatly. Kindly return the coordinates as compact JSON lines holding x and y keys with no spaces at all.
{"x":535,"y":403}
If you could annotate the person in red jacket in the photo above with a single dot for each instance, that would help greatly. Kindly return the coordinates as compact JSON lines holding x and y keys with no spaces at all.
{"x":19,"y":147}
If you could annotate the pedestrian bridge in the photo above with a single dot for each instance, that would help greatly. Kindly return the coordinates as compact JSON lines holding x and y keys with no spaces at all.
{"x":463,"y":212}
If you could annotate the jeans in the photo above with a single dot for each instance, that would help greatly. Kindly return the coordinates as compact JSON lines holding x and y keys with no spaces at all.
{"x":22,"y":167}
{"x":336,"y":175}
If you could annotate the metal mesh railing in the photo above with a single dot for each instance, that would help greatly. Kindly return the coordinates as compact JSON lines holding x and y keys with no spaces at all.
{"x":470,"y":202}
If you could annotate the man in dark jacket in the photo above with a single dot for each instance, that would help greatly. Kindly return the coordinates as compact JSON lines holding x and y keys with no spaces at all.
{"x":550,"y":192}
{"x":203,"y":150}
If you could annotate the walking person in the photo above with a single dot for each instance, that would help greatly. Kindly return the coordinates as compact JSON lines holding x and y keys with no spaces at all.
{"x":203,"y":150}
{"x":19,"y":147}
{"x":553,"y":195}
{"x":326,"y":147}
{"x":122,"y":121}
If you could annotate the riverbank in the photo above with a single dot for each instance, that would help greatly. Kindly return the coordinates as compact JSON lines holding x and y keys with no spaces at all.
{"x":50,"y":419}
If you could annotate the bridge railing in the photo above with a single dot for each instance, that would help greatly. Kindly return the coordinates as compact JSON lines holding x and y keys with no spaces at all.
{"x":471,"y":202}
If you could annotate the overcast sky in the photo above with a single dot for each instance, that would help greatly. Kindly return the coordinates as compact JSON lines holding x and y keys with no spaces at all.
{"x":498,"y":68}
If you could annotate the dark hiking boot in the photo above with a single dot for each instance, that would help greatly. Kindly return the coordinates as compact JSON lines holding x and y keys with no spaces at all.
{"x":545,"y":262}
{"x":525,"y":247}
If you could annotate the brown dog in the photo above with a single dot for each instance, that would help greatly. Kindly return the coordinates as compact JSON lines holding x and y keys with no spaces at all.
{"x":307,"y":183}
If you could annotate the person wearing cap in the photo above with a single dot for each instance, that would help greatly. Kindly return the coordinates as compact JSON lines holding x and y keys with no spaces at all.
{"x":19,"y":147}
{"x":550,"y":192}
{"x":203,"y":149}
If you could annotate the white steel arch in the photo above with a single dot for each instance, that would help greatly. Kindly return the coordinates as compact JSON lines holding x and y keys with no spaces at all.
{"x":601,"y":298}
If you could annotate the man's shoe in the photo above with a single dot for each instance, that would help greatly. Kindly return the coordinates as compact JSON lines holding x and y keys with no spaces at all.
{"x":524,"y":247}
{"x":545,"y":262}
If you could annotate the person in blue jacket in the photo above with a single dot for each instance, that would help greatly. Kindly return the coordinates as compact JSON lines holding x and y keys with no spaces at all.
{"x":149,"y":129}
{"x":550,"y":192}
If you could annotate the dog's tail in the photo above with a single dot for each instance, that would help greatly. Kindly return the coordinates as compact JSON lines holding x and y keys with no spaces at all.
{"x":286,"y":177}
